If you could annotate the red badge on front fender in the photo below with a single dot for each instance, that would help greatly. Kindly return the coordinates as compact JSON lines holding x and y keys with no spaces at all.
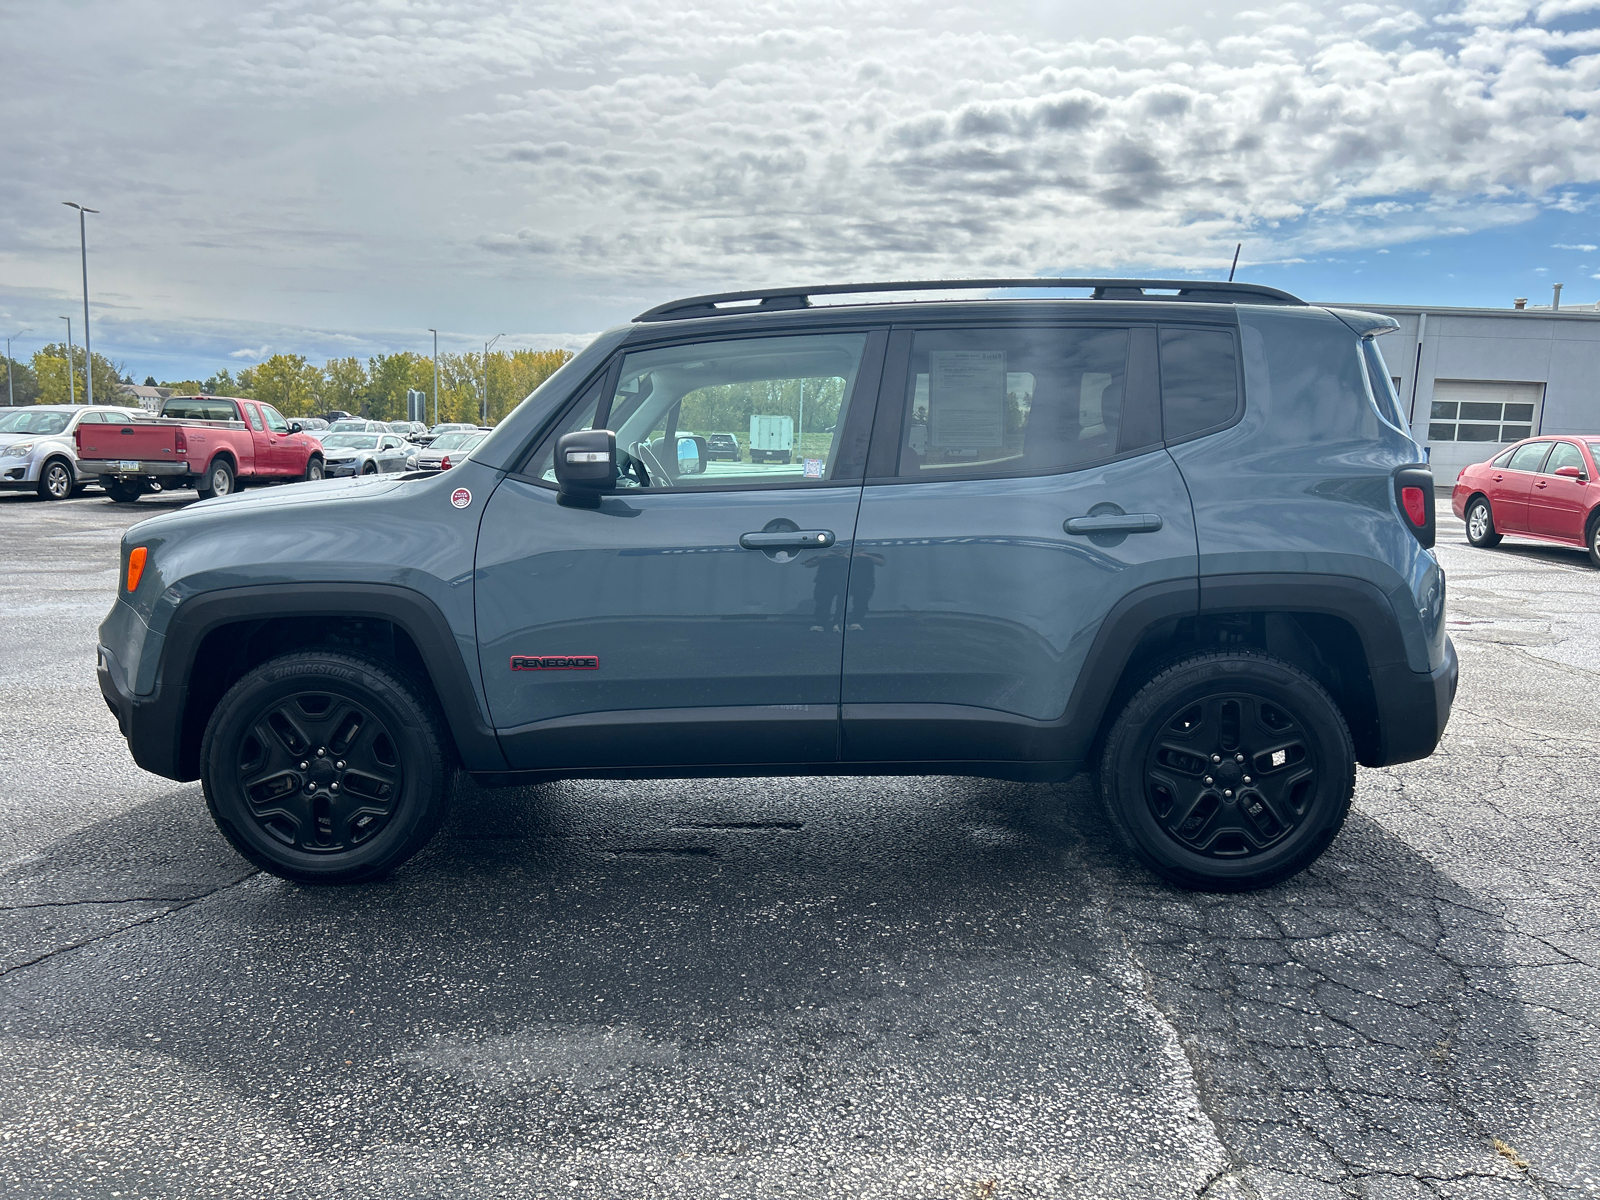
{"x":555,"y":662}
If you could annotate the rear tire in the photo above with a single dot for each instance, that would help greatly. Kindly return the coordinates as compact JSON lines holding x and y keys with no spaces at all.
{"x":326,"y":768}
{"x":1594,"y":539}
{"x":1228,"y":771}
{"x":217,"y":481}
{"x":124,"y":492}
{"x":1480,"y":524}
{"x":55,"y":481}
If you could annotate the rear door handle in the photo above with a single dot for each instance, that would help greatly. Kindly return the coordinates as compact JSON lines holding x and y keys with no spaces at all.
{"x":788,"y":539}
{"x":1114,"y":523}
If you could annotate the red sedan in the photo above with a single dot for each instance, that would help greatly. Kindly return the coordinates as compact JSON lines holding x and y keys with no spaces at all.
{"x":1544,"y":488}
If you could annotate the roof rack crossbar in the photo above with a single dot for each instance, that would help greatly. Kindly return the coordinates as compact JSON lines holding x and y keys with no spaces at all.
{"x":768,"y":299}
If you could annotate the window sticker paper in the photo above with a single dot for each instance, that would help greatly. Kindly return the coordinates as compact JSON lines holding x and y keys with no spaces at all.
{"x":967,"y":398}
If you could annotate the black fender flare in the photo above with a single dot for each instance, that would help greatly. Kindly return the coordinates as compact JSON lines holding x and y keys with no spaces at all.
{"x":169,"y":746}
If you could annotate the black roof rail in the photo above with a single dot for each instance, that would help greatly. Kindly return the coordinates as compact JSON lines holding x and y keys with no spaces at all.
{"x":773,"y":299}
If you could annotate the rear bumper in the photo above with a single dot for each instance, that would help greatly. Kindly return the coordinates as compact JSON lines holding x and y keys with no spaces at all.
{"x":1414,"y":707}
{"x":150,"y":727}
{"x":113,"y":468}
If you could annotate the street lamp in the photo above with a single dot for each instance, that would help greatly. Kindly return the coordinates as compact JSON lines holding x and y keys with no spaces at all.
{"x":72,"y":388}
{"x":83,"y":249}
{"x":487,"y":346}
{"x":11,"y":392}
{"x":435,"y":333}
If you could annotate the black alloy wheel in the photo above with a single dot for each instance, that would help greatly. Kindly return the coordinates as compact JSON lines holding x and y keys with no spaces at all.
{"x":55,"y":481}
{"x":1480,"y":524}
{"x":323,"y":767}
{"x":1228,"y":771}
{"x":370,"y":468}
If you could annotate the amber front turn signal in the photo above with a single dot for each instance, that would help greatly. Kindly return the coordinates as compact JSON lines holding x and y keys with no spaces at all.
{"x":136,"y":566}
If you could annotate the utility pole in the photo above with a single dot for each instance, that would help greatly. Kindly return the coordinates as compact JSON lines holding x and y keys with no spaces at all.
{"x":72,"y":388}
{"x":435,"y":333}
{"x":11,"y":363}
{"x":487,"y":346}
{"x":83,"y":248}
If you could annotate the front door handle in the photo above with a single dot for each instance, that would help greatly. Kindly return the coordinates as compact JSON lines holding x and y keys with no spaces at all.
{"x":1114,"y":523}
{"x":788,"y":539}
{"x":1542,"y":483}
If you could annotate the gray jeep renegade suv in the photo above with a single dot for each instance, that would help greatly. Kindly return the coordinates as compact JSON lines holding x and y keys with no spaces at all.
{"x":1174,"y":531}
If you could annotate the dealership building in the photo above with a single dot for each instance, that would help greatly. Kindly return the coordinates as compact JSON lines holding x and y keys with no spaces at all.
{"x":1473,"y":380}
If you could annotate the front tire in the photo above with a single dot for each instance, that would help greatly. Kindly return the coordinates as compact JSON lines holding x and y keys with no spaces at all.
{"x":1228,"y":771}
{"x":325,"y":768}
{"x":1480,"y":524}
{"x":55,"y":481}
{"x":314,"y":470}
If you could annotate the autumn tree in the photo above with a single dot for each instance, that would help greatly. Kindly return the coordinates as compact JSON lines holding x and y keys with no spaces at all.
{"x":289,"y":383}
{"x":50,"y":369}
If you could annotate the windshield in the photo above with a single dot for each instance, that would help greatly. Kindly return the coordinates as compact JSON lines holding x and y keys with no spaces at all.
{"x":444,"y":428}
{"x":349,"y":426}
{"x":473,"y":441}
{"x":351,"y":441}
{"x":34,"y":422}
{"x":448,"y":441}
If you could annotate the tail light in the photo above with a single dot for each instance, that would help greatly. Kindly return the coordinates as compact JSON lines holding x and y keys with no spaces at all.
{"x":1413,"y":490}
{"x":444,"y":464}
{"x":179,"y":442}
{"x":136,"y":561}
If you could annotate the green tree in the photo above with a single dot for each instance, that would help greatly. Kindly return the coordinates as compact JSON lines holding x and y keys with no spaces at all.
{"x":515,"y":378}
{"x":289,"y":383}
{"x":221,"y":384}
{"x":18,"y":383}
{"x":345,"y":385}
{"x":389,"y":377}
{"x":50,"y":368}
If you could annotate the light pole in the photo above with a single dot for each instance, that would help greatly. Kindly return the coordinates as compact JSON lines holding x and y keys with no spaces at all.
{"x":83,"y":249}
{"x":435,"y":333}
{"x":72,"y":388}
{"x":487,"y":346}
{"x":11,"y":391}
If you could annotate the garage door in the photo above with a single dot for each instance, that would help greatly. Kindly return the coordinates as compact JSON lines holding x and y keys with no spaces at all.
{"x":1472,"y":419}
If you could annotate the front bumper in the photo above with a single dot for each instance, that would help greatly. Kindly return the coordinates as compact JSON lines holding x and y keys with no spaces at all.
{"x":1414,"y":707}
{"x":333,"y":470}
{"x":149,"y":725}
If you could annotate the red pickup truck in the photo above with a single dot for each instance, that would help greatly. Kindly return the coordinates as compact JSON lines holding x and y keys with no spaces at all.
{"x":213,"y":444}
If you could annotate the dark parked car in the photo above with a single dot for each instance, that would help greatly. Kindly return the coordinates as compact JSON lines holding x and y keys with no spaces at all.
{"x":1173,"y":537}
{"x":722,"y":447}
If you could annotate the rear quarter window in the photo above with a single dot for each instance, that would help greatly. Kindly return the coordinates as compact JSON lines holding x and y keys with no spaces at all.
{"x":1199,"y":381}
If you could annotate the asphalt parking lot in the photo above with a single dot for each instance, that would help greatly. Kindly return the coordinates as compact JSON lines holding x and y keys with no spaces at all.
{"x":906,"y":987}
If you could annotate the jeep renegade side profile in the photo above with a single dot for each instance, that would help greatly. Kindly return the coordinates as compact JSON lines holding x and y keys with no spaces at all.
{"x":1174,"y":531}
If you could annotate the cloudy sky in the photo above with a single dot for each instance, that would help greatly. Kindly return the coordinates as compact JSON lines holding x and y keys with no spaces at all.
{"x":335,"y":176}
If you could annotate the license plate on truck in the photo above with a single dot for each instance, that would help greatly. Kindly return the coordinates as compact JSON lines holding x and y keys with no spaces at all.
{"x":128,"y":464}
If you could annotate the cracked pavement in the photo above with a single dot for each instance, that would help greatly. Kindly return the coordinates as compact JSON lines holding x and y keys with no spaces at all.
{"x":897,"y":987}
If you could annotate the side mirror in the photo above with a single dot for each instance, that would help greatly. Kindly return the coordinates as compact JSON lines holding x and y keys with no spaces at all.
{"x":1571,"y":472}
{"x":586,"y":466}
{"x":296,"y":427}
{"x":693,"y":454}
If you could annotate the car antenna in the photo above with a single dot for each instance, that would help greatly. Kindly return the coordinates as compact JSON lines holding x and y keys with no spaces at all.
{"x":1235,"y":266}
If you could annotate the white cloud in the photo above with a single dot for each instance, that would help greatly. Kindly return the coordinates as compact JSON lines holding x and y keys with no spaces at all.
{"x":378,"y":165}
{"x":252,"y":355}
{"x":1582,"y":246}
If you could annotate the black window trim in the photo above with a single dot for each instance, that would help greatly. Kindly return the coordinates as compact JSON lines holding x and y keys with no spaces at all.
{"x":858,"y":412}
{"x":883,"y":457}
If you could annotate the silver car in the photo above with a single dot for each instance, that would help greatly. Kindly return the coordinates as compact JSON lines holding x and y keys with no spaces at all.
{"x":455,"y":446}
{"x":37,"y":449}
{"x":364,"y":453}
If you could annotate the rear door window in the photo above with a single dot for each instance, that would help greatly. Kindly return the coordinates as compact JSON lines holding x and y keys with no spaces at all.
{"x":1528,"y":458}
{"x":1012,"y":401}
{"x":1199,"y":380}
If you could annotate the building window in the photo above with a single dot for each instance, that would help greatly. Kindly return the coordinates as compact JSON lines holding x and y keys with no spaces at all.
{"x":1467,"y":410}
